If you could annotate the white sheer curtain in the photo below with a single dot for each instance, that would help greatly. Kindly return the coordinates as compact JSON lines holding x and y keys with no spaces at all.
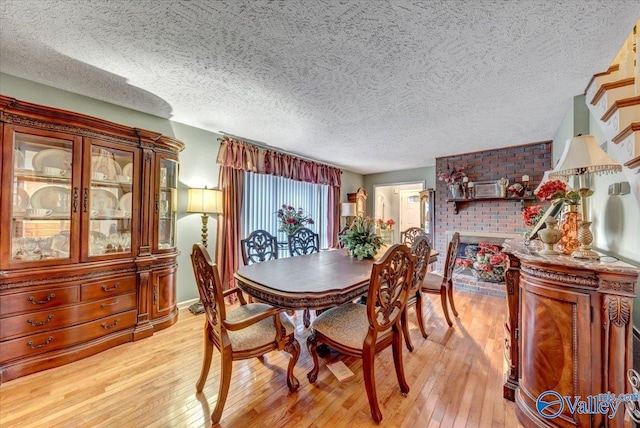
{"x":265,"y":194}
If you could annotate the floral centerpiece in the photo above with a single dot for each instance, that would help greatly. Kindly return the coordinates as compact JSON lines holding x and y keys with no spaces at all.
{"x":531,"y":216}
{"x":360,"y":239}
{"x":454,"y":177}
{"x":292,"y":219}
{"x":383,"y":225}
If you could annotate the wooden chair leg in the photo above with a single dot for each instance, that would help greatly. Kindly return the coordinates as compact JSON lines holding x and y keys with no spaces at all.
{"x":445,"y":309}
{"x":293,"y":348}
{"x":370,"y":382}
{"x":419,"y":314}
{"x":396,"y":347}
{"x":453,"y":306}
{"x":311,"y":346}
{"x":226,"y":364}
{"x":405,"y":329}
{"x":206,"y":359}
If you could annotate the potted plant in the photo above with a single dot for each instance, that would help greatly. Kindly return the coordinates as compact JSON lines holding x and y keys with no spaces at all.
{"x":360,"y":239}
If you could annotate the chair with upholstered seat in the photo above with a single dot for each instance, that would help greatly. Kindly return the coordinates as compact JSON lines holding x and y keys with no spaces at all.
{"x":364,"y":331}
{"x":443,"y":284}
{"x":258,"y":247}
{"x":408,"y":236}
{"x":303,"y":241}
{"x":422,"y":251}
{"x":248,"y":331}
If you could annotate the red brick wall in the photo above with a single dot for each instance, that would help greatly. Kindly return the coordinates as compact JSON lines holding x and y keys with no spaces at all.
{"x":502,"y":216}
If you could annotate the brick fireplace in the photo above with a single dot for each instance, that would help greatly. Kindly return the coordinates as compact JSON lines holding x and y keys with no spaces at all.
{"x":487,"y":220}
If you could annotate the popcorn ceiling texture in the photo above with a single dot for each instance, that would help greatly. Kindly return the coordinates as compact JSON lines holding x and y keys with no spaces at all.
{"x":370,"y":86}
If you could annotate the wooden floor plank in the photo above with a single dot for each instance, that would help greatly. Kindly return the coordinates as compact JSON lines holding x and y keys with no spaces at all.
{"x":455,"y":379}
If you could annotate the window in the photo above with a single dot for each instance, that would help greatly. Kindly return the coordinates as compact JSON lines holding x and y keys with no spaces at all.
{"x":264,"y":195}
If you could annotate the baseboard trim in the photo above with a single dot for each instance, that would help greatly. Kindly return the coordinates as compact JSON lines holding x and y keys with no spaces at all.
{"x":186,"y":303}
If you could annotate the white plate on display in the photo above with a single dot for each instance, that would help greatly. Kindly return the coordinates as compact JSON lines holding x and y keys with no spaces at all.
{"x":55,"y":158}
{"x":60,"y":243}
{"x":106,"y":165}
{"x":126,"y":202}
{"x":54,"y":198}
{"x":103,"y":201}
{"x":128,"y":170}
{"x":20,"y":200}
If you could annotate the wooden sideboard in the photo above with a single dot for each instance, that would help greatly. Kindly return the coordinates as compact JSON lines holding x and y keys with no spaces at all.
{"x":569,"y":330}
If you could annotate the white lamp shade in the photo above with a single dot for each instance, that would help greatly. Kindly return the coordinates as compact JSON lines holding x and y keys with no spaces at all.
{"x":206,"y":201}
{"x":347,"y":209}
{"x":583,"y":155}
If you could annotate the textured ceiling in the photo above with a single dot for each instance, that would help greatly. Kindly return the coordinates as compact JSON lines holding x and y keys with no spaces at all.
{"x":367,"y":85}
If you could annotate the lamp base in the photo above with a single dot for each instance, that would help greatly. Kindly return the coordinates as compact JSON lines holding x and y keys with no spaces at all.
{"x":585,"y":237}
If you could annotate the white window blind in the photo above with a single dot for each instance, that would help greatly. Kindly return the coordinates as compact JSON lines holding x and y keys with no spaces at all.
{"x":265,"y":194}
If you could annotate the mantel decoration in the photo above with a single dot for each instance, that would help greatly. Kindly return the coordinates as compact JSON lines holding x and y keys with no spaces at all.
{"x":292,"y":219}
{"x":454,"y":177}
{"x":388,"y":224}
{"x":360,"y":239}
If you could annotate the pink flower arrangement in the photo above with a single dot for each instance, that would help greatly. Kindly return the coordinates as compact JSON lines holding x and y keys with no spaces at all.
{"x":453,"y":174}
{"x":558,"y":189}
{"x":531,"y":215}
{"x":292,"y":219}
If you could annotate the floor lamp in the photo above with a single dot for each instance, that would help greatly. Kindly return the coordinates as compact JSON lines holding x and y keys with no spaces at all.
{"x":204,"y":201}
{"x":583,"y":156}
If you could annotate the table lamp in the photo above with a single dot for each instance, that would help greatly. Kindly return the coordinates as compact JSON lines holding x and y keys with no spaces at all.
{"x":204,"y":201}
{"x":583,"y":156}
{"x":348,"y":210}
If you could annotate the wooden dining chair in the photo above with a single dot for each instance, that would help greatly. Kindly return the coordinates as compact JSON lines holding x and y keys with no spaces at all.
{"x":443,"y":284}
{"x":248,"y":331}
{"x":258,"y":247}
{"x":364,"y":331}
{"x":422,"y":251}
{"x":303,"y":241}
{"x":408,"y":236}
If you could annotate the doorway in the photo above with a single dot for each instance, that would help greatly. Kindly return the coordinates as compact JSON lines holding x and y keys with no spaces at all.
{"x":399,"y":202}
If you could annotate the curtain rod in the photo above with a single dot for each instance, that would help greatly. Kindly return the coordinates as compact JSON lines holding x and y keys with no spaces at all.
{"x":275,"y":149}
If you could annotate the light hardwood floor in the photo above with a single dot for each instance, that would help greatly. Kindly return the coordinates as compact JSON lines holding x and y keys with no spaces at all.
{"x":455,"y":377}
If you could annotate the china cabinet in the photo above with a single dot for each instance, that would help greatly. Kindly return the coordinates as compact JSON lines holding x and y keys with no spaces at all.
{"x":87,"y":236}
{"x":427,"y":212}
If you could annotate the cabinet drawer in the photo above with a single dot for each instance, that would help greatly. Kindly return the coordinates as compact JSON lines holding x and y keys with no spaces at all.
{"x":36,"y":322}
{"x":57,"y":339}
{"x":37,"y":300}
{"x":108,"y":287}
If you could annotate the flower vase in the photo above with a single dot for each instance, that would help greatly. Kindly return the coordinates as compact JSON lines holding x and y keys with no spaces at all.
{"x":550,"y":236}
{"x":569,"y":228}
{"x":456,"y":191}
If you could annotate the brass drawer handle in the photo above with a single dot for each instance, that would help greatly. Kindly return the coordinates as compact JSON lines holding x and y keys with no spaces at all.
{"x":42,"y":345}
{"x":104,"y":305}
{"x":41,"y":323}
{"x":115,"y":287}
{"x":41,"y":302}
{"x":109,"y":327}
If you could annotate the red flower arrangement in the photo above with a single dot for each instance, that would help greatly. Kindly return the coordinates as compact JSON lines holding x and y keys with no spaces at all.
{"x":385,"y":224}
{"x":558,"y":189}
{"x":292,"y":219}
{"x":531,"y":215}
{"x":453,"y":175}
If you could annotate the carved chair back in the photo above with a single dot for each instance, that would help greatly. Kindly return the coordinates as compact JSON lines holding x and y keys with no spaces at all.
{"x":209,"y":287}
{"x":303,"y":241}
{"x":389,"y":287}
{"x":258,"y":247}
{"x":408,"y":236}
{"x":452,"y":254}
{"x":422,"y":251}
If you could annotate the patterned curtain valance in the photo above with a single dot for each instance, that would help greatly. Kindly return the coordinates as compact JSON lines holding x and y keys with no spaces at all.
{"x":247,"y":157}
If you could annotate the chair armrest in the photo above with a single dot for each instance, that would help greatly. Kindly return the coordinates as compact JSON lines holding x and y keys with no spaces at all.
{"x":237,"y":291}
{"x":239,"y":325}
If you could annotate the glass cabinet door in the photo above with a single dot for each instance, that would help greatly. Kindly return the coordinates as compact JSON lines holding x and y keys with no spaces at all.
{"x":167,"y":203}
{"x":44,"y":200}
{"x":108,"y":200}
